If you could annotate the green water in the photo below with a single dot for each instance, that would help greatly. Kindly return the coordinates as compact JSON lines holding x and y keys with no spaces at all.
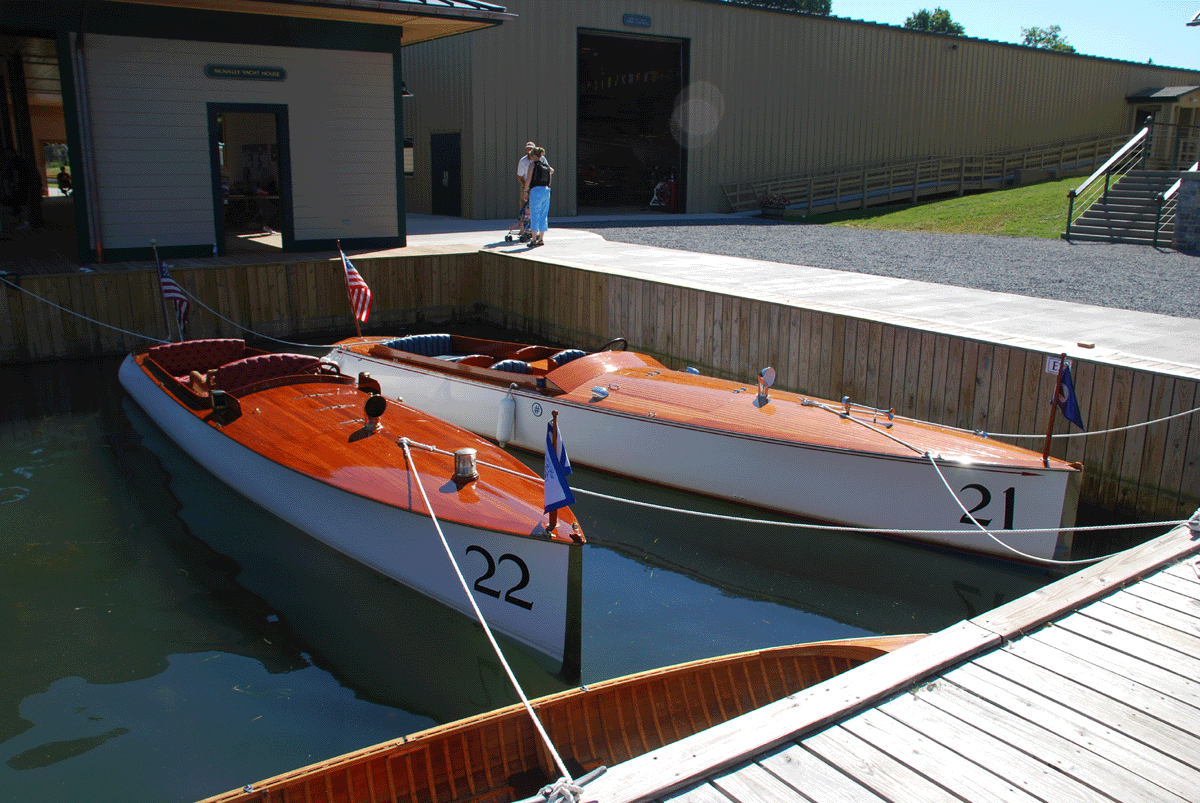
{"x":165,"y":640}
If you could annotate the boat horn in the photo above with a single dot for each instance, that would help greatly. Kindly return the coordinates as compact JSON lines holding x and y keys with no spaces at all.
{"x":373,"y":408}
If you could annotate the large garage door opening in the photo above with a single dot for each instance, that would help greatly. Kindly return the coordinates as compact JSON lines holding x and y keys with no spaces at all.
{"x":627,"y":156}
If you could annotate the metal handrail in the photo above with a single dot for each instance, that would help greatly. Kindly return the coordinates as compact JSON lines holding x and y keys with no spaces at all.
{"x":1166,"y":203}
{"x":1117,"y":166}
{"x":1103,"y":170}
{"x":1175,"y":187}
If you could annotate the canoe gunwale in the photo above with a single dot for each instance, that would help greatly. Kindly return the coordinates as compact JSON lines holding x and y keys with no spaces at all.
{"x":432,"y":746}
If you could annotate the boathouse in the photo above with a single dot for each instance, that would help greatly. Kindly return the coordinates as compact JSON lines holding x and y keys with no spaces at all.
{"x":179,"y":120}
{"x":625,"y":92}
{"x":326,"y":120}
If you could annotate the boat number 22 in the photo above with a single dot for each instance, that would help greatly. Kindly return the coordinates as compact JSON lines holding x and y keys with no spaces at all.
{"x":985,"y":499}
{"x":507,"y":557}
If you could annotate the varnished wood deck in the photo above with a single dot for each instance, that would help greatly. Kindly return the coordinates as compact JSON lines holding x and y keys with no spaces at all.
{"x":1088,"y":689}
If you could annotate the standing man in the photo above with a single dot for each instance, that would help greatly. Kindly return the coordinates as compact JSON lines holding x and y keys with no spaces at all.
{"x":522,"y":178}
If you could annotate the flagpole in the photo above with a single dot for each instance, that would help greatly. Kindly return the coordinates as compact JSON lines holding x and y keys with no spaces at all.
{"x":1062,"y":361}
{"x":554,"y":444}
{"x":162,"y":298}
{"x":342,"y":254}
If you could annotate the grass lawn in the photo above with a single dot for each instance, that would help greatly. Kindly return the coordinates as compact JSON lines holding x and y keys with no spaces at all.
{"x":1035,"y":210}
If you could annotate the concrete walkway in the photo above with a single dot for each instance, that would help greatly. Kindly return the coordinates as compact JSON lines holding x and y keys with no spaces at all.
{"x":1124,"y":337}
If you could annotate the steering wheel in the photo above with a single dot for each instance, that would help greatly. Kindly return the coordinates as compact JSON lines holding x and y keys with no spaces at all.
{"x":616,"y":344}
{"x":328,"y":368}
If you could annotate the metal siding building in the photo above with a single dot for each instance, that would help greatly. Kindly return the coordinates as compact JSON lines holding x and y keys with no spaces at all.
{"x":764,"y":93}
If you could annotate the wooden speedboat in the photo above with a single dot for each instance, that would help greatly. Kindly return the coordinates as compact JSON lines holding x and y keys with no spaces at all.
{"x":322,"y":451}
{"x":629,"y":414}
{"x":498,"y":757}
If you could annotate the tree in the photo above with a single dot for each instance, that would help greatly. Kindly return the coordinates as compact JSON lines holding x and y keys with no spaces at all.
{"x":936,"y":21}
{"x":1046,"y":39}
{"x":822,"y":7}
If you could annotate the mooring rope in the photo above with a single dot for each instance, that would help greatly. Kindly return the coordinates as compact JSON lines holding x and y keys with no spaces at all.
{"x":986,"y":434}
{"x":251,"y":331}
{"x":801,"y":525}
{"x":5,"y":279}
{"x":980,"y":432}
{"x":1009,"y":547}
{"x":836,"y":528}
{"x":983,"y":433}
{"x":562,"y":767}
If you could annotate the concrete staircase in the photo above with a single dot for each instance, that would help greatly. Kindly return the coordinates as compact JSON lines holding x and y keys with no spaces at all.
{"x":1130,"y":213}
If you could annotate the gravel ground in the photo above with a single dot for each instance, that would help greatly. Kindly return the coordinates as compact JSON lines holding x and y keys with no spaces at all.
{"x":1131,"y":277}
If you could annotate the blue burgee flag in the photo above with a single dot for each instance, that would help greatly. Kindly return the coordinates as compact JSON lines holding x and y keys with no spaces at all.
{"x":1067,"y":401}
{"x":558,"y":466}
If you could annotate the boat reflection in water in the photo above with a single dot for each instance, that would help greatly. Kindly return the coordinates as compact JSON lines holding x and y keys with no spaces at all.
{"x":390,"y":644}
{"x":876,"y":585}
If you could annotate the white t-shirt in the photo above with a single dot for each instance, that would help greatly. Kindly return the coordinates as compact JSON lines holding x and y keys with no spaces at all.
{"x":523,"y":167}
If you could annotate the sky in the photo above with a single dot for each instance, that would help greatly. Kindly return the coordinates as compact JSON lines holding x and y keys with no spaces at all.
{"x":1129,"y":30}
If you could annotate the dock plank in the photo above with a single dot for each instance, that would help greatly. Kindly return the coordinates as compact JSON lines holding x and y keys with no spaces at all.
{"x":878,"y":771}
{"x":1167,"y":590}
{"x":1032,"y":692}
{"x":728,"y":744}
{"x":1148,"y":649}
{"x":1160,"y":605}
{"x":1073,"y":742}
{"x":941,"y":711}
{"x":1116,"y":674}
{"x":1085,"y":586}
{"x":755,"y":783}
{"x":933,"y":760}
{"x":700,"y":794}
{"x":1142,"y":623}
{"x":819,"y":781}
{"x":1187,"y":571}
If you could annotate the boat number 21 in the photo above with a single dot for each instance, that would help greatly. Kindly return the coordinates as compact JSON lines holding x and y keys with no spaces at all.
{"x":985,"y":499}
{"x":507,"y":557}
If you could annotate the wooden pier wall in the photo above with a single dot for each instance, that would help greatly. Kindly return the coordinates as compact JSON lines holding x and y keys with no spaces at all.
{"x":951,"y":378}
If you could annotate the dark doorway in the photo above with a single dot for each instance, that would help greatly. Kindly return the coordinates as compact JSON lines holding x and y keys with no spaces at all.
{"x":251,"y":168}
{"x":445,"y":159}
{"x":628,"y":89}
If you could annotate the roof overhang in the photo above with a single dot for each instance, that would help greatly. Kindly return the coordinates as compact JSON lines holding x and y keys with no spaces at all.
{"x":422,"y":20}
{"x":1164,"y":94}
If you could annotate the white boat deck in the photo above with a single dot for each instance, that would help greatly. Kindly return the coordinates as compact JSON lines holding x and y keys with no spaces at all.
{"x":1088,"y":689}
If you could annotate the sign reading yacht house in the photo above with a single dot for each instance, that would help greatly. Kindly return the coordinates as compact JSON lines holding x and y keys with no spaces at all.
{"x":636,"y":21}
{"x":245,"y":73}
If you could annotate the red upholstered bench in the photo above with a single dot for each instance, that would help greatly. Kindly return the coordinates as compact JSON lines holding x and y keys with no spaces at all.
{"x":180,"y":359}
{"x":250,"y":370}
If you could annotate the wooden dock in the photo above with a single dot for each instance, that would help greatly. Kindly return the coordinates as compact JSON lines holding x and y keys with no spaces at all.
{"x":1086,"y":690}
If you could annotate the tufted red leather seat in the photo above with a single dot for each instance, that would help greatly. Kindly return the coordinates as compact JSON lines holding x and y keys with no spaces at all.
{"x":180,"y":359}
{"x":249,"y":370}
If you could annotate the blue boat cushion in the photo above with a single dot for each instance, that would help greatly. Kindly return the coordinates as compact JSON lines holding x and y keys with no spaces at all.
{"x":566,"y":355}
{"x":512,"y":366}
{"x":435,"y":345}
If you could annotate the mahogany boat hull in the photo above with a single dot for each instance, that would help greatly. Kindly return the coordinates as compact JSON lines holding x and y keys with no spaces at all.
{"x":735,"y":455}
{"x":497,"y":757}
{"x":397,"y":542}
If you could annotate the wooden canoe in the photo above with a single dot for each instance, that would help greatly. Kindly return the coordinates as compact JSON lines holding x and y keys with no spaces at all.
{"x":291,"y":434}
{"x":628,"y":414}
{"x":497,"y":757}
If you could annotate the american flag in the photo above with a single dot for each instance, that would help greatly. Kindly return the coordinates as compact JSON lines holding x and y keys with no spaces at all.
{"x":174,"y":293}
{"x":356,"y":288}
